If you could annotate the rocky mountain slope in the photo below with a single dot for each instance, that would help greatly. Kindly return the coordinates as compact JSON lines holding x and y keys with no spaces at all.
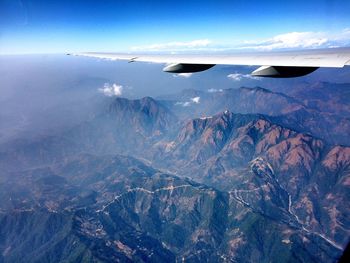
{"x":147,"y":181}
{"x":321,"y":110}
{"x":117,"y":209}
{"x":296,"y":172}
{"x":123,"y":126}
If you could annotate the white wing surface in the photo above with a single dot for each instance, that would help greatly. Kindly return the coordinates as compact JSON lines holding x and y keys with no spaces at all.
{"x":274,"y":64}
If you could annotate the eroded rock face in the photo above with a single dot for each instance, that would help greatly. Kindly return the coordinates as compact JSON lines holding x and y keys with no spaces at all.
{"x":303,"y":170}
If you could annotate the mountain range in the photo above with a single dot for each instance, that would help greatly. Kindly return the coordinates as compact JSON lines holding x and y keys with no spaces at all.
{"x":236,"y":175}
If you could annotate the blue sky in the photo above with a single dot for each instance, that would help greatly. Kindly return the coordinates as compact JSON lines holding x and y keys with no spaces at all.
{"x":33,"y":26}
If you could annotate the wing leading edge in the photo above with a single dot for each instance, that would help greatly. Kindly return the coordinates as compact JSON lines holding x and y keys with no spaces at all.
{"x":273,"y":64}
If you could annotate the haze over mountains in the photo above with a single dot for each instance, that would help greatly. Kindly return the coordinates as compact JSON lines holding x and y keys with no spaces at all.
{"x":201,"y":175}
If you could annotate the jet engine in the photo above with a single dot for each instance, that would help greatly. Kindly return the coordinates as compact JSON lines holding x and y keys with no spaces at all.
{"x":282,"y":72}
{"x":187,"y":68}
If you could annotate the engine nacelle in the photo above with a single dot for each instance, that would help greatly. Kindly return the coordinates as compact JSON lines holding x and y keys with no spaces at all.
{"x":187,"y":68}
{"x":282,"y":72}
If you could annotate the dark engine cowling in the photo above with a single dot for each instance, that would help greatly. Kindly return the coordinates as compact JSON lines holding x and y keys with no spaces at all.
{"x":282,"y":72}
{"x":187,"y":68}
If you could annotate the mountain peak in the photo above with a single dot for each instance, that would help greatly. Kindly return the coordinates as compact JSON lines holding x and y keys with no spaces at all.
{"x":148,"y":99}
{"x":146,"y":104}
{"x":145,"y":115}
{"x":255,"y":89}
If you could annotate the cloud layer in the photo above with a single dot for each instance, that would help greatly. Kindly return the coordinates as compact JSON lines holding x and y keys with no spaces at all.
{"x":184,"y":75}
{"x":111,"y":90}
{"x":290,"y":40}
{"x":239,"y":77}
{"x":212,"y":90}
{"x":305,"y":40}
{"x":192,"y":101}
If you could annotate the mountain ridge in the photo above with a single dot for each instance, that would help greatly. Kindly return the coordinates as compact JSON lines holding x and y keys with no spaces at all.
{"x":225,"y":186}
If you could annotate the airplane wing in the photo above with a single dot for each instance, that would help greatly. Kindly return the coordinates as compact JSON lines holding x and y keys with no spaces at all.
{"x":273,"y":64}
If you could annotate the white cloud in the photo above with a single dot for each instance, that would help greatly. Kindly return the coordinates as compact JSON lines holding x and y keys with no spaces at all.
{"x":195,"y":100}
{"x":301,"y":40}
{"x":235,"y":76}
{"x":239,"y":77}
{"x":192,"y":101}
{"x":183,"y":104}
{"x":184,"y":75}
{"x":111,"y":90}
{"x":175,"y":46}
{"x":288,"y":40}
{"x":214,"y":90}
